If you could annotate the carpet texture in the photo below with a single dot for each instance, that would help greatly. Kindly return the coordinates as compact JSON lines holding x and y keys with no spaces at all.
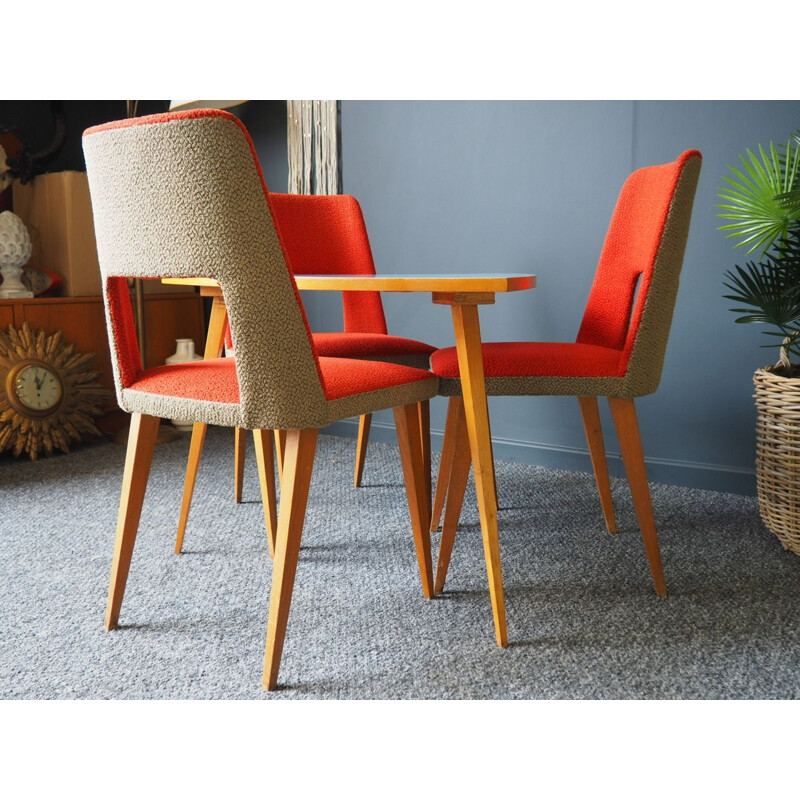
{"x":583,"y":619}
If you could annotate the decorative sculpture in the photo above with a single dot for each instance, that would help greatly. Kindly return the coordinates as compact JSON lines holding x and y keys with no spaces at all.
{"x":15,"y":251}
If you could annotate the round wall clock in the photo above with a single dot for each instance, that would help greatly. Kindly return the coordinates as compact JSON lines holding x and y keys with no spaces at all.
{"x":48,"y":393}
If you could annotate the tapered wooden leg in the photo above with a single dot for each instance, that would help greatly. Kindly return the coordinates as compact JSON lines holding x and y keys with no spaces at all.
{"x":445,"y":462}
{"x":364,"y":422}
{"x":407,"y":422}
{"x":297,"y":469}
{"x":623,"y":411}
{"x":141,"y":442}
{"x":494,"y":471}
{"x":594,"y":437}
{"x":470,"y":363}
{"x":240,"y":449}
{"x":215,"y":341}
{"x":280,"y":449}
{"x":266,"y":477}
{"x":195,"y":451}
{"x":424,"y":413}
{"x":215,"y":337}
{"x":459,"y":474}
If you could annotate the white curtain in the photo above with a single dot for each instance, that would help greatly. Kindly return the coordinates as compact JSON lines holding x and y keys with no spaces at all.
{"x":313,"y":146}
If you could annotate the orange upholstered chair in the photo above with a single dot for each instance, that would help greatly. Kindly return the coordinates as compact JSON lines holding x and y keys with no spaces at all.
{"x":618,"y":354}
{"x":322,"y":234}
{"x":182,"y":195}
{"x":326,"y":235}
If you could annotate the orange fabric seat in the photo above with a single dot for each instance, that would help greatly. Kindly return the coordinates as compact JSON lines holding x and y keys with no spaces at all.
{"x":528,"y":359}
{"x":368,"y":345}
{"x":214,"y":379}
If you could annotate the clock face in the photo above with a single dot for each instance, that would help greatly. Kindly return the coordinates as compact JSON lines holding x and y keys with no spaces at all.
{"x":37,"y":388}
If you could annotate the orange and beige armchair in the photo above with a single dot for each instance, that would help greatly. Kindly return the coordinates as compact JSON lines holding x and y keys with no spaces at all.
{"x":182,"y":195}
{"x":618,"y":353}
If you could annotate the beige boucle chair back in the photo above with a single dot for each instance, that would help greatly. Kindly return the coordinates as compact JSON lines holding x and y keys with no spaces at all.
{"x":182,"y":195}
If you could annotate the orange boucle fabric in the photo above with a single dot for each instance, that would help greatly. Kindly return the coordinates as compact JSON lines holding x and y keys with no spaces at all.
{"x":364,"y":345}
{"x":527,"y":359}
{"x":326,"y":235}
{"x":120,"y":313}
{"x":360,"y":345}
{"x":628,"y":257}
{"x":155,"y":119}
{"x":345,"y":376}
{"x":214,"y":379}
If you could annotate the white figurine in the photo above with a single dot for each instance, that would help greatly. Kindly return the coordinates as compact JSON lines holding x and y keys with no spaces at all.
{"x":15,"y":251}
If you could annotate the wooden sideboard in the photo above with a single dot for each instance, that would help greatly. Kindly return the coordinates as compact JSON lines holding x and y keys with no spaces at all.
{"x":82,"y":320}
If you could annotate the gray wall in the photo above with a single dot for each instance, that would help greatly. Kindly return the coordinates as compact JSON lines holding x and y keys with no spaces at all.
{"x":530,"y":186}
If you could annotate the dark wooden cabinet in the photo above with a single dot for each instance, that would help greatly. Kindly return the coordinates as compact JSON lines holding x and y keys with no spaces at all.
{"x":82,"y":321}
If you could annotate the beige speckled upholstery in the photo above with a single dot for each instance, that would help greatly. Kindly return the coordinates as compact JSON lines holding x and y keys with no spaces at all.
{"x":182,"y":195}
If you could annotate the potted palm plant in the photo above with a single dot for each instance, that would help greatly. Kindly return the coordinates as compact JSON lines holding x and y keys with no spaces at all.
{"x":762,"y":200}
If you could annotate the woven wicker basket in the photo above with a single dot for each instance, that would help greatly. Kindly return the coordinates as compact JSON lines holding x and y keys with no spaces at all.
{"x":778,"y":453}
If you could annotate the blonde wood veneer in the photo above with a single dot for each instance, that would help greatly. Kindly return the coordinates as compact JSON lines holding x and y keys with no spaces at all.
{"x":470,"y":363}
{"x":407,"y":423}
{"x":297,"y":468}
{"x":623,"y":410}
{"x":139,"y":456}
{"x":364,"y":423}
{"x":590,"y":413}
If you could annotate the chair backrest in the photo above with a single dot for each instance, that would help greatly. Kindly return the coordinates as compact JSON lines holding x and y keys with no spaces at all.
{"x":633,"y":295}
{"x":182,"y":195}
{"x":326,"y":234}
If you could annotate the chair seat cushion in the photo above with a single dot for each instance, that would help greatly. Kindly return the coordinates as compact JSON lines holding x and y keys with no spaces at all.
{"x":214,"y":379}
{"x":366,"y":345}
{"x":342,"y":377}
{"x":529,"y":359}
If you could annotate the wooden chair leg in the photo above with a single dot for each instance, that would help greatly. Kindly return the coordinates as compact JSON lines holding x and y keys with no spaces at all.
{"x":364,"y":422}
{"x":424,"y":414}
{"x":266,"y":478}
{"x":280,"y":450}
{"x":240,"y":448}
{"x":298,"y":466}
{"x":141,"y":442}
{"x":624,"y":412}
{"x":195,"y":451}
{"x":461,"y":462}
{"x":407,"y":422}
{"x":446,"y":461}
{"x":594,"y":437}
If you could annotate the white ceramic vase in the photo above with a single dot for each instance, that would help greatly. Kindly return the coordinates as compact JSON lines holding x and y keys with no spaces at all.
{"x":184,"y":352}
{"x":15,"y":252}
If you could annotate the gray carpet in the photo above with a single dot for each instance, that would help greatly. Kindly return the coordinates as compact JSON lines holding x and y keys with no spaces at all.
{"x":583,"y":619}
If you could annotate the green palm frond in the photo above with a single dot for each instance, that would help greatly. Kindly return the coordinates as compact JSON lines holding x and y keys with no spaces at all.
{"x":790,"y":200}
{"x":769,"y":292}
{"x":751,"y":197}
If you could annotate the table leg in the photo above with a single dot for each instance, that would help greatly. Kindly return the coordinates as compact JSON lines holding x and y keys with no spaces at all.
{"x":470,"y":363}
{"x":215,"y":338}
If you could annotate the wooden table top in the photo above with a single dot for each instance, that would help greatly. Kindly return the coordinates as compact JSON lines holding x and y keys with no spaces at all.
{"x":486,"y":282}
